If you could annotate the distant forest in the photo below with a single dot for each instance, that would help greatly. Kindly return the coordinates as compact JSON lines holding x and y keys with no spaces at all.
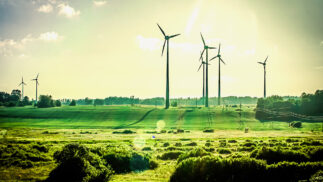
{"x":276,"y":107}
{"x":158,"y":101}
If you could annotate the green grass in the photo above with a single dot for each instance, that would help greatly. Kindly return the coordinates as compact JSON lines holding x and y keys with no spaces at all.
{"x":121,"y":117}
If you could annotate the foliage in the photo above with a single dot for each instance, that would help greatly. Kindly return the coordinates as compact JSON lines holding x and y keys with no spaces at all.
{"x":317,"y":177}
{"x":224,"y":151}
{"x":98,"y":102}
{"x":197,"y":152}
{"x":45,"y":101}
{"x":124,"y":160}
{"x":58,"y":103}
{"x":174,"y":104}
{"x":73,"y":103}
{"x":274,"y":155}
{"x":296,"y":124}
{"x":171,"y":155}
{"x":77,"y":163}
{"x":124,"y":132}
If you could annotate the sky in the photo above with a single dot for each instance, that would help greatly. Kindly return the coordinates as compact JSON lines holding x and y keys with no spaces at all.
{"x":101,"y":48}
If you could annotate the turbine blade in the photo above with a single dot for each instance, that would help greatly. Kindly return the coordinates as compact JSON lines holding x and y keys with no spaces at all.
{"x":212,"y":47}
{"x":222,"y":61}
{"x":203,"y":39}
{"x":260,"y":63}
{"x":266,"y":59}
{"x":37,"y":76}
{"x":19,"y":84}
{"x":172,"y":36}
{"x":201,"y":57}
{"x":161,"y":30}
{"x":163,"y":47}
{"x":219,"y":49}
{"x":200,"y":67}
{"x":213,"y":58}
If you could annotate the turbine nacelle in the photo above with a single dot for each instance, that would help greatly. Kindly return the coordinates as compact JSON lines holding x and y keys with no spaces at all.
{"x":167,"y":37}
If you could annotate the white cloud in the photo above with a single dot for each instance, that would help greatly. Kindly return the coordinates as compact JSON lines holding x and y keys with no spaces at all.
{"x":50,"y":36}
{"x":99,"y":3}
{"x":45,"y":8}
{"x":11,"y":47}
{"x":68,"y":11}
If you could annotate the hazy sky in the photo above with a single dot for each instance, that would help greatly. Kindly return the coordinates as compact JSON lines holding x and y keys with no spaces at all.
{"x":113,"y":47}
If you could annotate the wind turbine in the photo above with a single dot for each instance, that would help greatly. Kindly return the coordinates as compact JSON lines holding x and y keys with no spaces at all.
{"x":36,"y":79}
{"x":22,"y":88}
{"x":219,"y":82}
{"x":167,"y":37}
{"x":206,"y":49}
{"x":203,"y":63}
{"x":264,"y":64}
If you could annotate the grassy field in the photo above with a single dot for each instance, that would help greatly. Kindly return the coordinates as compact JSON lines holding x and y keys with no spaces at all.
{"x":120,"y":117}
{"x":29,"y":137}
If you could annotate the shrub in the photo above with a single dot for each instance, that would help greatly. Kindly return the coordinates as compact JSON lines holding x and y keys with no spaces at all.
{"x":146,"y":149}
{"x":124,"y":132}
{"x":224,"y":151}
{"x":166,"y":144}
{"x":124,"y":160}
{"x":171,"y":155}
{"x":210,"y":168}
{"x":317,"y":177}
{"x":178,"y":144}
{"x":58,"y":103}
{"x":296,"y":124}
{"x":277,"y":155}
{"x":45,"y":101}
{"x":208,"y":131}
{"x":197,"y":152}
{"x":40,"y":148}
{"x":232,"y":141}
{"x":174,"y":104}
{"x":153,"y":164}
{"x":192,"y":144}
{"x":207,"y":144}
{"x":77,"y":163}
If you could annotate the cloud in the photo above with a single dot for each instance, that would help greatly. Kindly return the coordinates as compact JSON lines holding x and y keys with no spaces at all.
{"x":99,"y":3}
{"x":45,"y":8}
{"x":50,"y":36}
{"x":67,"y":11}
{"x":11,"y":47}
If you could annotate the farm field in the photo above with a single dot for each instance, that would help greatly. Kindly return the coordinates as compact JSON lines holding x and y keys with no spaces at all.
{"x":30,"y":137}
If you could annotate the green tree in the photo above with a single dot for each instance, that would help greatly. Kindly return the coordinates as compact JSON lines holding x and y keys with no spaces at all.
{"x":45,"y":101}
{"x":73,"y":103}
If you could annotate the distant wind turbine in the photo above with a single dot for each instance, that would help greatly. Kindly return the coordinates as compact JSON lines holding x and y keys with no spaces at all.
{"x":264,"y":64}
{"x":203,"y":63}
{"x":36,"y":80}
{"x":219,"y":82}
{"x":22,"y":88}
{"x":206,"y":49}
{"x":167,"y":37}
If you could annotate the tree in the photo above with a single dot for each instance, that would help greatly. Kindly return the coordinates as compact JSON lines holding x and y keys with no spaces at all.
{"x":58,"y":103}
{"x":88,"y":101}
{"x":26,"y":101}
{"x":98,"y":102}
{"x":45,"y":101}
{"x":15,"y":95}
{"x":73,"y":103}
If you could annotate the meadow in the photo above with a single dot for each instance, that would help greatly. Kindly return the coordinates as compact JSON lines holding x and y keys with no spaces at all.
{"x":165,"y":139}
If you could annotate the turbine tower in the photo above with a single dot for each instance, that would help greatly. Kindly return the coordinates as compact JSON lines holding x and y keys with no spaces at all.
{"x":36,"y":80}
{"x":206,"y":49}
{"x":264,"y":64}
{"x":22,"y":88}
{"x":203,"y":63}
{"x":219,"y":82}
{"x":167,"y":37}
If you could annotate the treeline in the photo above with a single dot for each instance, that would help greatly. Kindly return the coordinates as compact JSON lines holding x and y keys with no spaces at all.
{"x":13,"y":99}
{"x":158,"y":101}
{"x":306,"y":104}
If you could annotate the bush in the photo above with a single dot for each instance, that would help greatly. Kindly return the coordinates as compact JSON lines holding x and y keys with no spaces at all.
{"x":277,"y":155}
{"x":178,"y":144}
{"x":214,"y":169}
{"x":124,"y":160}
{"x":172,"y":155}
{"x":77,"y":163}
{"x":210,"y":168}
{"x":192,"y":144}
{"x":153,"y":164}
{"x":10,"y":104}
{"x":197,"y":152}
{"x":208,"y":131}
{"x":166,"y":144}
{"x":317,"y":177}
{"x":124,"y":132}
{"x":224,"y":151}
{"x":296,"y":124}
{"x":146,"y":149}
{"x":45,"y":101}
{"x":174,"y":104}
